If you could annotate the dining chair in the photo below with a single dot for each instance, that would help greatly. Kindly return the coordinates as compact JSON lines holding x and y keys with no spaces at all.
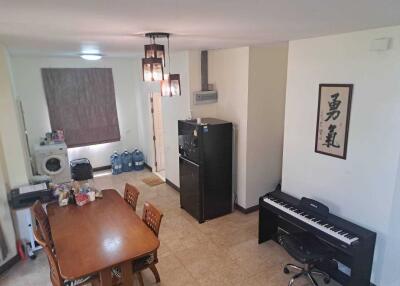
{"x":55,"y":275}
{"x":152,"y":218}
{"x":42,"y":222}
{"x":131,"y":195}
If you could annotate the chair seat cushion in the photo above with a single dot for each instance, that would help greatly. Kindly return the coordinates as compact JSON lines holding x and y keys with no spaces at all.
{"x":85,"y":281}
{"x":143,"y":262}
{"x":305,"y":247}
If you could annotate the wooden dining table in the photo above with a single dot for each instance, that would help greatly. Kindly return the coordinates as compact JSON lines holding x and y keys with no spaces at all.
{"x":94,"y":238}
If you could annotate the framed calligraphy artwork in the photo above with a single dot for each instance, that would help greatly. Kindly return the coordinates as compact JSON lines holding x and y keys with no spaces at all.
{"x":334,"y":105}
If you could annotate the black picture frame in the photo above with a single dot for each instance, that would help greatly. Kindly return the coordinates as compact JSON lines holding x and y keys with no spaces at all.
{"x":319,"y":127}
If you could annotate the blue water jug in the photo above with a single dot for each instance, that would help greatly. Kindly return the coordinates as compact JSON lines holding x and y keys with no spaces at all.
{"x":116,"y":163}
{"x":138,"y":160}
{"x":130,"y":164}
{"x":126,"y":159}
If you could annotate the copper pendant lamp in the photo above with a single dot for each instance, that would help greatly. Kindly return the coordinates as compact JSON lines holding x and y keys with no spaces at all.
{"x":153,"y":66}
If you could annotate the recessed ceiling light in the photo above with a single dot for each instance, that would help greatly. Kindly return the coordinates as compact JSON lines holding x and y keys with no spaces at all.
{"x":91,"y":57}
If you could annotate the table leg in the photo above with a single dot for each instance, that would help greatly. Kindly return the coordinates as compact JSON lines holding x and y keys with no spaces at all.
{"x":127,"y":274}
{"x":105,"y":277}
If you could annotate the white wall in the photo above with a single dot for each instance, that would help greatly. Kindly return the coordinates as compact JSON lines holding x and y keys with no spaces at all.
{"x":251,"y":84}
{"x":363,"y":187}
{"x":132,"y":99}
{"x":29,"y":88}
{"x":266,"y":109}
{"x":13,"y":143}
{"x":143,"y":118}
{"x":6,"y":223}
{"x":13,"y":170}
{"x":228,"y":70}
{"x":173,"y":108}
{"x":390,"y":267}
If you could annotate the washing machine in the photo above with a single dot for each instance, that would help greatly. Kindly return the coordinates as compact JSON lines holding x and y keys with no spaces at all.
{"x":52,"y":160}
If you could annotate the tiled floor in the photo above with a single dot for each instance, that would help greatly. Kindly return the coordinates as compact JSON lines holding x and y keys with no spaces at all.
{"x":222,"y":251}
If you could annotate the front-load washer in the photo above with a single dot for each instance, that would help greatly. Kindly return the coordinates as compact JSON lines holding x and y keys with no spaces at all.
{"x":52,"y":160}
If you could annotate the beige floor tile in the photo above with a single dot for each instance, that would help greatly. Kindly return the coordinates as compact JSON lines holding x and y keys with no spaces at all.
{"x":213,"y":278}
{"x":178,"y":277}
{"x":169,"y":263}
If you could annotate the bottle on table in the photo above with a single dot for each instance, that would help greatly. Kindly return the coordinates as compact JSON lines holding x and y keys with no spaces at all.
{"x":71,"y":199}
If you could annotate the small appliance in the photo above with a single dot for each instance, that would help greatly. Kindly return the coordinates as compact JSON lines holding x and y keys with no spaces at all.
{"x":52,"y":160}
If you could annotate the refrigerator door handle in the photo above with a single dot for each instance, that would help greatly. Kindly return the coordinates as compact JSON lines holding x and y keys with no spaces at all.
{"x":188,"y":161}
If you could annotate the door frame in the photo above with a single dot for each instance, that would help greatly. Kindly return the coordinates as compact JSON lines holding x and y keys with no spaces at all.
{"x":153,"y":135}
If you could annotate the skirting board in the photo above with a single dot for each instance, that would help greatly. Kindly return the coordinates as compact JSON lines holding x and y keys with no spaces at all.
{"x":103,"y":168}
{"x":248,"y":210}
{"x":10,"y":263}
{"x":108,"y":167}
{"x":172,"y":185}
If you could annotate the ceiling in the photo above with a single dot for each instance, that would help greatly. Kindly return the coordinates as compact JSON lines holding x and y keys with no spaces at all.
{"x":115,"y":27}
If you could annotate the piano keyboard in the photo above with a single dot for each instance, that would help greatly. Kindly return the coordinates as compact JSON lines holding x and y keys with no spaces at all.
{"x":328,"y":228}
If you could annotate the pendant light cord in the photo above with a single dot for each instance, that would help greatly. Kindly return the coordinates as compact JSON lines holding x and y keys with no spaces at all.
{"x":169,"y":58}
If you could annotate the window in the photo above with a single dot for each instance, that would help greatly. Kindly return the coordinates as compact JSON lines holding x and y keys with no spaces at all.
{"x":81,"y":101}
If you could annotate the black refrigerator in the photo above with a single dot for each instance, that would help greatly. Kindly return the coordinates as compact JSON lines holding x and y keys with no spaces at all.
{"x":205,"y":167}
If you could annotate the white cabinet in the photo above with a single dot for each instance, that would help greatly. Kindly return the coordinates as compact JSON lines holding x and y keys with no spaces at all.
{"x":24,"y":223}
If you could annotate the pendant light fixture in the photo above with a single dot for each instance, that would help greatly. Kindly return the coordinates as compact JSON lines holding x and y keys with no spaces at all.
{"x":155,"y":51}
{"x":154,"y":58}
{"x":171,"y":85}
{"x":152,"y":69}
{"x":154,"y":62}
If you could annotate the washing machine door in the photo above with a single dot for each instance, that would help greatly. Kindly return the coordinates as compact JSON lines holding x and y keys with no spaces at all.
{"x":53,"y":164}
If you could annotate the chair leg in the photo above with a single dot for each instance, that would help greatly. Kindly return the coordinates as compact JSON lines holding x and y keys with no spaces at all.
{"x":140,"y":278}
{"x":155,"y":272}
{"x":295,"y":277}
{"x":289,"y":265}
{"x":320,"y":273}
{"x":314,"y":283}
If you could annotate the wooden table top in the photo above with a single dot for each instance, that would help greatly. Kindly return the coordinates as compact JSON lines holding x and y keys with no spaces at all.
{"x":98,"y":235}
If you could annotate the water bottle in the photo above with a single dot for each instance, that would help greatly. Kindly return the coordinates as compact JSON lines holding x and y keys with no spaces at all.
{"x":126,"y":161}
{"x":138,"y":160}
{"x":116,"y":164}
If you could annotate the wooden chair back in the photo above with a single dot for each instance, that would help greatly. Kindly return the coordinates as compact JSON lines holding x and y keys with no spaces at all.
{"x":152,"y":217}
{"x":131,"y":195}
{"x":42,"y":222}
{"x":55,"y":276}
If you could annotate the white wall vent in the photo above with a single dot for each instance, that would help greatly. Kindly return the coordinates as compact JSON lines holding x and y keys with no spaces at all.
{"x":205,"y":97}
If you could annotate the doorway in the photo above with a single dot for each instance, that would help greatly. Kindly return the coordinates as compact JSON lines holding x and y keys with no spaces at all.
{"x":158,"y":134}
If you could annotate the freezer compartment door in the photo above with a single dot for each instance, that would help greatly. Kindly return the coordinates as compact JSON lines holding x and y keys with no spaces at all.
{"x":190,"y":191}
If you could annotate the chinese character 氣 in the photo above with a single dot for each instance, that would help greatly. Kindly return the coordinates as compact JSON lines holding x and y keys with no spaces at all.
{"x":330,"y":138}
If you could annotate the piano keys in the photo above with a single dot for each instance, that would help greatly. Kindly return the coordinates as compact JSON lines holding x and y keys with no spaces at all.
{"x":354,"y":245}
{"x":313,"y":220}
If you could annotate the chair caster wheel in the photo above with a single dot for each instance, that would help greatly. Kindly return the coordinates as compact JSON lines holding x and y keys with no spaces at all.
{"x":327,"y":280}
{"x":285,"y":270}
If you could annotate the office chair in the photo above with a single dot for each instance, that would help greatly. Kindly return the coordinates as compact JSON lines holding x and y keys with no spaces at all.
{"x":308,"y":250}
